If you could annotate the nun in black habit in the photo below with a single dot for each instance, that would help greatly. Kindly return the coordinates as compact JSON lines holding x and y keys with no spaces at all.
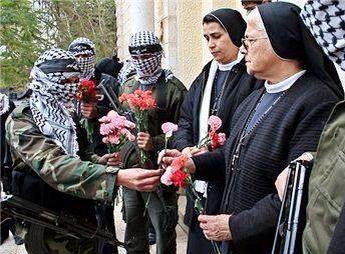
{"x":218,"y":90}
{"x":271,"y":127}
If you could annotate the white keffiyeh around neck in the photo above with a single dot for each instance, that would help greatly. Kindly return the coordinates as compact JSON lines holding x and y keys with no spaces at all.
{"x":4,"y":103}
{"x":48,"y":102}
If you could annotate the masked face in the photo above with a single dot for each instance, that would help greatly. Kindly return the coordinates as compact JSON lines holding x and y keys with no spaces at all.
{"x":65,"y":90}
{"x":86,"y":64}
{"x":147,"y":64}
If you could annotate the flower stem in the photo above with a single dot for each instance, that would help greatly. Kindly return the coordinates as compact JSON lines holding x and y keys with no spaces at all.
{"x":147,"y":204}
{"x":199,"y":208}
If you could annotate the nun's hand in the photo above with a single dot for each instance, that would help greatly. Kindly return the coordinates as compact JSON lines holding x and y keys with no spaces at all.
{"x":166,"y":156}
{"x":194,"y":151}
{"x":88,"y":110}
{"x":216,"y":227}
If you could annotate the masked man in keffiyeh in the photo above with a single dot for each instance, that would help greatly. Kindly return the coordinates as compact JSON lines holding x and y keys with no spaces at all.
{"x":49,"y":168}
{"x":168,"y":93}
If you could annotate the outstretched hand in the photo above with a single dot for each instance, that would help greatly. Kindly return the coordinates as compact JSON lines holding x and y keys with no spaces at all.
{"x":166,"y":156}
{"x":193,"y":150}
{"x":139,"y":179}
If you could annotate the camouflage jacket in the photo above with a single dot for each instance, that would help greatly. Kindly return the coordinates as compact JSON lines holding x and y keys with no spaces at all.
{"x":33,"y":152}
{"x":169,"y":95}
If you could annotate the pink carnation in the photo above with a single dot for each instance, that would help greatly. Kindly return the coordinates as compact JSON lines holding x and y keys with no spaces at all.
{"x":168,"y":128}
{"x":221,"y":138}
{"x":215,"y":122}
{"x":166,"y":177}
{"x":114,"y":126}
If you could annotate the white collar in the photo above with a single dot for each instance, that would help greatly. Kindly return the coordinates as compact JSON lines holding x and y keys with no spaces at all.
{"x":283,"y":85}
{"x":228,"y":66}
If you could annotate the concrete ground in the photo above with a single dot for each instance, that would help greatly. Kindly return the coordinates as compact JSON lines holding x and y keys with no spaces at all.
{"x":8,"y":247}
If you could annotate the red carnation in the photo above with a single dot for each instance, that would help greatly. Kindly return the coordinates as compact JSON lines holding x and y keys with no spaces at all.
{"x":86,"y":91}
{"x":178,"y":178}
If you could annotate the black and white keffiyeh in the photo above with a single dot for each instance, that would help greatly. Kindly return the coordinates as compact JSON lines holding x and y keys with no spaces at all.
{"x":4,"y":103}
{"x":326,"y":21}
{"x":148,"y":61}
{"x":84,"y":50}
{"x":51,"y":97}
{"x":126,"y":71}
{"x":87,"y":66}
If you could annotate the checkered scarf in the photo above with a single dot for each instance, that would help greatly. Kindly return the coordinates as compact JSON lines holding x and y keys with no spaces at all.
{"x":4,"y":103}
{"x":148,"y":70}
{"x":84,"y":46}
{"x":126,"y":71}
{"x":326,"y":21}
{"x":50,"y":100}
{"x":87,"y":66}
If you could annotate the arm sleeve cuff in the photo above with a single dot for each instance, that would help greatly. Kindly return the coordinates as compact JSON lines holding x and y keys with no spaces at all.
{"x":111,"y":189}
{"x":209,"y":166}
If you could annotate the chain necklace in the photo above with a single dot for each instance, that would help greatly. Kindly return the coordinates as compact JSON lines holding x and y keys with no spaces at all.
{"x":216,"y":103}
{"x":245,"y":133}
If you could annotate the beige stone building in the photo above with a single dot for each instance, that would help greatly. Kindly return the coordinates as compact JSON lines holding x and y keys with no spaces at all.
{"x":178,"y":24}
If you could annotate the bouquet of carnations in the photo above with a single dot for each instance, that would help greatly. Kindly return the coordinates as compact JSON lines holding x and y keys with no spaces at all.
{"x":140,"y":102}
{"x":176,"y":174}
{"x":213,"y":139}
{"x":116,"y":130}
{"x":86,"y":91}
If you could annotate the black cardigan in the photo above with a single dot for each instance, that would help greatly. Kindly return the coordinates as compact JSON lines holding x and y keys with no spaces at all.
{"x":292,"y":127}
{"x":238,"y":86}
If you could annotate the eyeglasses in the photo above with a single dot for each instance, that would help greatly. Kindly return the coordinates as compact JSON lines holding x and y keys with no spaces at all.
{"x":251,"y":40}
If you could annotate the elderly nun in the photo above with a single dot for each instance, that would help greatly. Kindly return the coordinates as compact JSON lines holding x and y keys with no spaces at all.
{"x":272,"y":127}
{"x":218,"y":90}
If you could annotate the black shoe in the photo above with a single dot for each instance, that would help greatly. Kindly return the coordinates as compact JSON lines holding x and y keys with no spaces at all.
{"x":152,"y":238}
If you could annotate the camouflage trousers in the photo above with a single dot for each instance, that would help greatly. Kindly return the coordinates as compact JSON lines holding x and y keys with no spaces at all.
{"x":163,"y":218}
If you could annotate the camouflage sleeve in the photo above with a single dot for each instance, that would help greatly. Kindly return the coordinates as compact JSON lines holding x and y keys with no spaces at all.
{"x":63,"y":172}
{"x":174,"y":99}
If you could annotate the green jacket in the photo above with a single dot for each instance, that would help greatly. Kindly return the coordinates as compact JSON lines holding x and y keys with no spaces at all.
{"x":326,"y":185}
{"x":31,"y":150}
{"x":169,"y":95}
